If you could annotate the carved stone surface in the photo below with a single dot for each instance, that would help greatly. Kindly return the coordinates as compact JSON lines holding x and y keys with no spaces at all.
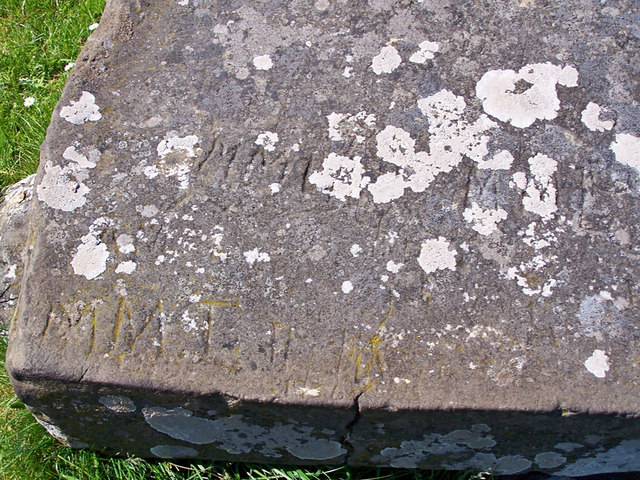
{"x":387,"y":232}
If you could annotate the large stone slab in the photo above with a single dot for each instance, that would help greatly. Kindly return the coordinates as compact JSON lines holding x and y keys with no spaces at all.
{"x":387,"y":232}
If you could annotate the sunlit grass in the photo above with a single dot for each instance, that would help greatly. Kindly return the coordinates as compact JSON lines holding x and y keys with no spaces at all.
{"x":38,"y":39}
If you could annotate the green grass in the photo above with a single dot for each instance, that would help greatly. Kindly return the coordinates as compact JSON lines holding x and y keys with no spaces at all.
{"x":38,"y":38}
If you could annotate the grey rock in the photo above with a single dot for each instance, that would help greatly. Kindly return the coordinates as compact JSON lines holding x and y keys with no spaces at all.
{"x":15,"y":202}
{"x":388,"y":232}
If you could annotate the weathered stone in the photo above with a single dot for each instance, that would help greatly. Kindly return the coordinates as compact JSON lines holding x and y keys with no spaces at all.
{"x":395,"y":233}
{"x":15,"y":202}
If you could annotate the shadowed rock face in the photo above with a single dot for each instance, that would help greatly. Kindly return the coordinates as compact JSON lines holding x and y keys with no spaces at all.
{"x":394,"y":233}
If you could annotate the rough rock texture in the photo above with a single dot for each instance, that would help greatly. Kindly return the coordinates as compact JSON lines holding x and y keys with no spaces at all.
{"x":15,"y":203}
{"x":387,"y":232}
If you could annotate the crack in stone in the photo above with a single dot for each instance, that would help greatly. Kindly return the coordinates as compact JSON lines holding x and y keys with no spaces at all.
{"x":3,"y":293}
{"x":346,"y":439}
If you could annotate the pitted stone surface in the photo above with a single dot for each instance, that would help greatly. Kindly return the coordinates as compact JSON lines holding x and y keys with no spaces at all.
{"x":386,"y":232}
{"x":15,"y":203}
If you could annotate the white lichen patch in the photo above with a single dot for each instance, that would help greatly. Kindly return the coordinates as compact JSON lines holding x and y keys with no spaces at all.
{"x":597,"y":363}
{"x":388,"y":187}
{"x":151,"y":172}
{"x":435,"y":255}
{"x":190,"y":324}
{"x":174,"y":152}
{"x":62,"y":188}
{"x":253,"y":256}
{"x":315,"y":449}
{"x":309,"y":392}
{"x":519,"y":180}
{"x":81,"y":161}
{"x":426,"y":52}
{"x":267,"y":140}
{"x":450,"y":132}
{"x":500,"y":161}
{"x":549,"y":460}
{"x":148,"y":211}
{"x":456,"y":443}
{"x":529,"y":288}
{"x":624,"y":457}
{"x":498,"y":90}
{"x":341,"y":177}
{"x":127,"y":267}
{"x":484,"y":220}
{"x":91,"y":257}
{"x":511,"y":465}
{"x":394,"y":267}
{"x":395,"y":145}
{"x":11,"y":272}
{"x":85,"y":109}
{"x":592,"y":316}
{"x":275,"y":188}
{"x":347,"y":286}
{"x":174,"y":451}
{"x":540,"y":194}
{"x":217,"y":238}
{"x":527,"y":273}
{"x":118,"y":403}
{"x":236,"y":435}
{"x":334,"y":119}
{"x":627,"y":150}
{"x":262,"y":62}
{"x":173,"y":143}
{"x":398,"y":380}
{"x":451,"y":138}
{"x":59,"y":191}
{"x":125,"y":243}
{"x":567,"y":446}
{"x":591,"y":118}
{"x":180,"y":171}
{"x":343,"y":125}
{"x":386,"y":61}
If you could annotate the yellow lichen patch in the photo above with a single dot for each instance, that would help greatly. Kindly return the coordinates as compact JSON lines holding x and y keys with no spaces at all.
{"x":94,"y":328}
{"x":372,"y":351}
{"x":123,"y":309}
{"x":220,"y":303}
